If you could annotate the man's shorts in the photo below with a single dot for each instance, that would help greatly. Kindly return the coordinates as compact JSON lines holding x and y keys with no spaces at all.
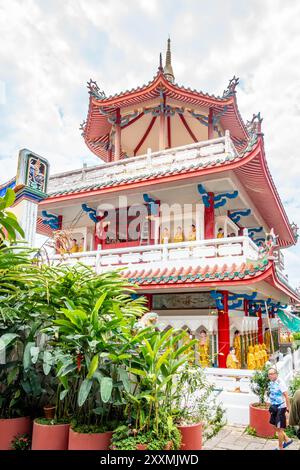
{"x":278,"y":418}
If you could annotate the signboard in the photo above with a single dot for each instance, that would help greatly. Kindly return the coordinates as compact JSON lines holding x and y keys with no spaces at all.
{"x":33,"y":172}
{"x":183,"y":301}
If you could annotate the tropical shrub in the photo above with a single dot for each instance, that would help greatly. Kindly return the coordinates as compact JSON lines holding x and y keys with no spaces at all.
{"x":259,"y":384}
{"x":126,"y":438}
{"x":9,"y":226}
{"x":91,"y":345}
{"x":294,"y":384}
{"x":19,"y":383}
{"x":196,"y":401}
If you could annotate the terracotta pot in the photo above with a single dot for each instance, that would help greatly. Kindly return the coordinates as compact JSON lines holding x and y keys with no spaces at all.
{"x":259,"y":420}
{"x":50,"y":436}
{"x":85,"y":441}
{"x":49,"y":412}
{"x":191,"y":436}
{"x":9,"y":428}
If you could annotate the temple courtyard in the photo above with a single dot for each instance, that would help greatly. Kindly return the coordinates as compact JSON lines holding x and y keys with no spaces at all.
{"x":236,"y":438}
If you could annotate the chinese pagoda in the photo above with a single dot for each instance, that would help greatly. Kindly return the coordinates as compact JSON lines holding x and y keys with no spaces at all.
{"x":184,"y":202}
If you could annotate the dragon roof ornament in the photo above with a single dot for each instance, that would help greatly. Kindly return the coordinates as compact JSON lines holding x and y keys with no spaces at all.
{"x":94,"y":90}
{"x":230,"y":90}
{"x":82,"y":127}
{"x":295,"y":230}
{"x":254,"y":126}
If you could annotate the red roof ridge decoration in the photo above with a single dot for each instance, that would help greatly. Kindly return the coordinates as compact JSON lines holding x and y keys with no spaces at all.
{"x":197,"y":276}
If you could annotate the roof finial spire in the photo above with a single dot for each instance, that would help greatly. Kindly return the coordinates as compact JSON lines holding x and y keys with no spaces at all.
{"x":168,"y":70}
{"x":160,"y":67}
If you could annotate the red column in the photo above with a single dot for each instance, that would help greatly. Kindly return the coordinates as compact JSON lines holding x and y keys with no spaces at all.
{"x":260,"y":328}
{"x":118,"y":135}
{"x":223,"y":332}
{"x":210,"y":124}
{"x":246,"y":307}
{"x":209,"y":218}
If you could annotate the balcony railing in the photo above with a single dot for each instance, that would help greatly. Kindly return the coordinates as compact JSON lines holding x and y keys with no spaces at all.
{"x":213,"y":150}
{"x":211,"y":252}
{"x":218,"y":251}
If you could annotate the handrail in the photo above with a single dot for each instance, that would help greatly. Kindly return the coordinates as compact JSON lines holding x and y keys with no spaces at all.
{"x":188,"y":244}
{"x":244,"y":241}
{"x":148,"y":158}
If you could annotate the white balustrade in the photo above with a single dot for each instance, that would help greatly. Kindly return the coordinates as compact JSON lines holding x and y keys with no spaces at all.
{"x":174,"y":158}
{"x":218,"y":251}
{"x":86,"y":257}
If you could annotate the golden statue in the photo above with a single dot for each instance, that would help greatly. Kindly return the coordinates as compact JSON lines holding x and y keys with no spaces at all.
{"x":179,"y":235}
{"x":262,"y":355}
{"x":192,"y":233}
{"x":220,"y":233}
{"x":165,"y":238}
{"x":231,"y":360}
{"x":74,"y":246}
{"x":237,"y":347}
{"x":264,"y":352}
{"x":204,"y":349}
{"x":186,"y":340}
{"x":258,"y":358}
{"x":267,"y":340}
{"x":251,"y":365}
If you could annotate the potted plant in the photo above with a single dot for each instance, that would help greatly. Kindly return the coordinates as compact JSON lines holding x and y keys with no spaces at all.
{"x":20,"y":382}
{"x":93,"y":343}
{"x":259,"y":415}
{"x":195,"y":409}
{"x":167,"y":438}
{"x":13,"y":403}
{"x":51,"y":432}
{"x":153,"y":368}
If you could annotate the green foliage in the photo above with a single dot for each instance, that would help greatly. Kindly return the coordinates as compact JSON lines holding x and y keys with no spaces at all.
{"x":51,"y":422}
{"x":296,"y":336}
{"x":196,"y":401}
{"x":251,"y":431}
{"x":291,"y":432}
{"x":90,"y":428}
{"x":125,"y":438}
{"x":9,"y":226}
{"x":35,"y":300}
{"x":21,"y":442}
{"x":215,"y":422}
{"x":259,"y":384}
{"x":154,"y":365}
{"x":94,"y":341}
{"x":294,"y":385}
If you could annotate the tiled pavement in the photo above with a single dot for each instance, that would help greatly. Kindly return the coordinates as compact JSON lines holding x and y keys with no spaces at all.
{"x":236,"y":438}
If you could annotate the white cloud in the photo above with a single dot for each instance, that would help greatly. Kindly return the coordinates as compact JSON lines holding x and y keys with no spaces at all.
{"x":50,"y":49}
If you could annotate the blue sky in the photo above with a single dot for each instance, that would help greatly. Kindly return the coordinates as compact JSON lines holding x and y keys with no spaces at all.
{"x":50,"y":48}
